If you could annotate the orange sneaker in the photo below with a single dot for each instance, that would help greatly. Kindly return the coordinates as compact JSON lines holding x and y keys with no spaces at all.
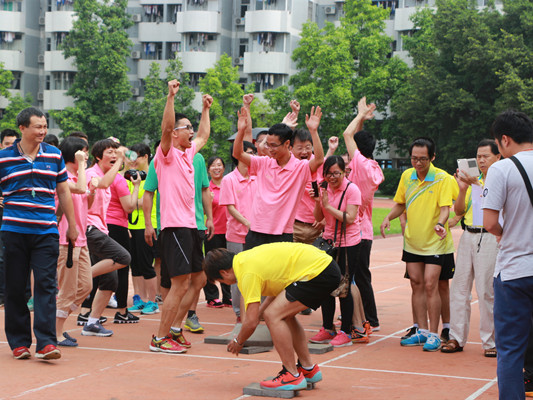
{"x":359,"y":337}
{"x":166,"y":345}
{"x":368,"y":328}
{"x":285,"y":381}
{"x":179,"y":338}
{"x":311,"y":376}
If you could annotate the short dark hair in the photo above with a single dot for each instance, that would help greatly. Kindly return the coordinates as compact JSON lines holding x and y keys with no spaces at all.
{"x":178,"y":116}
{"x":215,"y":261}
{"x":283,"y":132}
{"x":51,"y":140}
{"x":261,"y":134}
{"x":156,"y":145}
{"x":70,"y":145}
{"x":334,"y":160}
{"x":489,"y":142}
{"x":245,"y":146}
{"x":7,"y":133}
{"x":515,"y":124}
{"x":302,"y":135}
{"x":23,"y":117}
{"x":366,"y":143}
{"x":423,"y":142}
{"x":80,"y":134}
{"x":141,"y":149}
{"x":212,"y":159}
{"x":102,"y":145}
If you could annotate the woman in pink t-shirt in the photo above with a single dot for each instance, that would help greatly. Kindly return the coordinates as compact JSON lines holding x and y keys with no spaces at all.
{"x":215,"y":168}
{"x":340,"y":197}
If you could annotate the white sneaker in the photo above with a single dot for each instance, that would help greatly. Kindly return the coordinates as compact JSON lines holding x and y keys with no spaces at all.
{"x":112,"y":302}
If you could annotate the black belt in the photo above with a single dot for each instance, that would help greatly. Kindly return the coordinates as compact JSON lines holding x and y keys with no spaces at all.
{"x":475,"y":230}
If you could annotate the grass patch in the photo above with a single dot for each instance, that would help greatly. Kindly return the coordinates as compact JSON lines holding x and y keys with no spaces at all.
{"x":378,"y":215}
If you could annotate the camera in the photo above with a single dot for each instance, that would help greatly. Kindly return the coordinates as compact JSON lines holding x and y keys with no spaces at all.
{"x":132,"y":174}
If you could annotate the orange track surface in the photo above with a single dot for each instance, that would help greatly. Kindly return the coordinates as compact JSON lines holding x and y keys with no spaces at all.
{"x":122,"y":367}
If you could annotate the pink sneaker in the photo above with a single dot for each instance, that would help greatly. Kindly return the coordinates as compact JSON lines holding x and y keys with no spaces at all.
{"x":323,"y":336}
{"x":341,"y":340}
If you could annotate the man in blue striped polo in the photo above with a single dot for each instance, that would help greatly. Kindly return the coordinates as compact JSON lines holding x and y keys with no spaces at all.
{"x":30,"y":173}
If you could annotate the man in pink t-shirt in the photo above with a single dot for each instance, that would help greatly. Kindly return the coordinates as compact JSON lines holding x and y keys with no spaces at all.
{"x":281,"y":179}
{"x":180,"y":244}
{"x":367,"y":175}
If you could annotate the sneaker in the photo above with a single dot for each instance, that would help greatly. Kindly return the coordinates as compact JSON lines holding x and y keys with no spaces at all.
{"x":158,"y":299}
{"x":445,"y":335}
{"x":96,"y":330}
{"x":67,"y":343}
{"x":138,"y":304}
{"x":307,"y":311}
{"x":126,"y":318}
{"x":285,"y":381}
{"x":410,"y":332}
{"x":166,"y":345}
{"x":179,"y":338}
{"x":368,"y":328}
{"x":21,"y":353}
{"x":112,"y":302}
{"x":84,"y":318}
{"x":341,"y":340}
{"x":238,"y":320}
{"x":359,"y":337}
{"x":312,"y":376}
{"x":418,"y":339}
{"x":227,"y":303}
{"x":323,"y":336}
{"x":192,"y":324}
{"x":433,"y":343}
{"x":215,"y":303}
{"x":30,"y":304}
{"x":528,"y":384}
{"x":49,"y":352}
{"x":150,"y":308}
{"x":66,"y":335}
{"x":375,"y":328}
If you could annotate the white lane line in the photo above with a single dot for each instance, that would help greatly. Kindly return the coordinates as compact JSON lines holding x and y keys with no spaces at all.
{"x":49,"y":385}
{"x":482,"y":390}
{"x":386,"y":265}
{"x":390,"y":289}
{"x":386,"y":337}
{"x":244,"y":396}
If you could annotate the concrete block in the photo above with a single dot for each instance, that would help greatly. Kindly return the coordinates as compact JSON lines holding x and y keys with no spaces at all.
{"x":260,"y":338}
{"x":255,"y":349}
{"x":254,"y":389}
{"x":216,"y":339}
{"x":315,"y":348}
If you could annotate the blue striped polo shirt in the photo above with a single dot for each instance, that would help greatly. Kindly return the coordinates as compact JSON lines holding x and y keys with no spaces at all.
{"x":29,"y":189}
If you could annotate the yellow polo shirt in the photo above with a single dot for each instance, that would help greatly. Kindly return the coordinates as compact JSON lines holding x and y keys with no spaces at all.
{"x":268,"y":269}
{"x":469,"y":218}
{"x":423,"y":200}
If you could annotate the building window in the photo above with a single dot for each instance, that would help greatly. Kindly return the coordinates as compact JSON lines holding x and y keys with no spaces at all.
{"x":172,"y":49}
{"x":153,"y":13}
{"x":152,"y":51}
{"x":17,"y":77}
{"x":173,"y":10}
{"x":62,"y":80}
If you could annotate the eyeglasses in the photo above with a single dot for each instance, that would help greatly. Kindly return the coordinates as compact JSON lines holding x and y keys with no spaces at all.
{"x":303,"y":148}
{"x":272,"y":145}
{"x":419,"y":159}
{"x":188,"y":127}
{"x":336,"y":174}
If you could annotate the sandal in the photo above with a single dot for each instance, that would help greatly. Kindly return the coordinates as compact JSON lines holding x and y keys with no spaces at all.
{"x":490,"y":352}
{"x":451,"y":347}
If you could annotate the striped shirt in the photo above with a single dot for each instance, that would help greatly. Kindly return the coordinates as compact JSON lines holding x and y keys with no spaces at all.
{"x":29,"y":188}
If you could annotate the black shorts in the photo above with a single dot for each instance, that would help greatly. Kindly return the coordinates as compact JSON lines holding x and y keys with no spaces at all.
{"x":446,"y":261}
{"x":155,"y":247}
{"x":142,"y":255}
{"x":313,"y":293}
{"x":254,"y":239}
{"x":181,"y":253}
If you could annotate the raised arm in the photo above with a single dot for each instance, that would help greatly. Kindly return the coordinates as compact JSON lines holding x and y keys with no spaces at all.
{"x":313,"y":121}
{"x":204,"y":129}
{"x":169,"y":117}
{"x":238,"y":148}
{"x":364,"y":113}
{"x":246,"y":102}
{"x":109,"y":176}
{"x":80,"y":187}
{"x":333,"y":143}
{"x":129,"y":202}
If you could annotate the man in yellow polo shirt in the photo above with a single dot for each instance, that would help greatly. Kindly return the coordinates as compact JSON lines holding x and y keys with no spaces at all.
{"x":425,"y":193}
{"x":294,"y":276}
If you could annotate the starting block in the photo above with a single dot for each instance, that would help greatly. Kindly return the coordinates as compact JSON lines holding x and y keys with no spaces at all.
{"x":315,"y":348}
{"x":260,"y":338}
{"x":254,"y":389}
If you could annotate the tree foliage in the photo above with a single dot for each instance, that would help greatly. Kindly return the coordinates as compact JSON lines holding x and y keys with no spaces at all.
{"x":99,"y":44}
{"x":5,"y":80}
{"x":16,"y":104}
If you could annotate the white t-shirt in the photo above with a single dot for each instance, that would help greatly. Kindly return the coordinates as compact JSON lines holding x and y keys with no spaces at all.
{"x":505,"y":190}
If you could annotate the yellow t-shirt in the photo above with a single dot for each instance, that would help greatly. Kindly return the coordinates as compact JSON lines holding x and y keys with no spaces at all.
{"x":423,"y":200}
{"x":141,"y":223}
{"x":469,"y":215}
{"x":268,"y":269}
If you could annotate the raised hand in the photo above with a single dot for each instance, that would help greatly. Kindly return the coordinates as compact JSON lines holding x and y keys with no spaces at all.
{"x":313,"y":120}
{"x":80,"y":157}
{"x":295,"y":106}
{"x":291,"y":120}
{"x":247,"y":99}
{"x":173,"y":87}
{"x":207,"y":101}
{"x":366,"y":111}
{"x":333,"y":143}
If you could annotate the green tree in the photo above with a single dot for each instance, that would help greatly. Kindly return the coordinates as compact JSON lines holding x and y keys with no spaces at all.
{"x":16,"y":104}
{"x":222,"y":82}
{"x":5,"y":80}
{"x":99,"y":44}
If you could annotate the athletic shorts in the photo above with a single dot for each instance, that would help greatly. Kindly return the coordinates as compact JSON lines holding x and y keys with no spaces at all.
{"x":446,"y":261}
{"x":181,"y":253}
{"x":313,"y":293}
{"x":142,"y":256}
{"x":254,"y":239}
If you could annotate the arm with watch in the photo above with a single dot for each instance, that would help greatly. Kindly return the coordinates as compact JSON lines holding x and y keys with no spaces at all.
{"x":251,"y":320}
{"x":440,"y":229}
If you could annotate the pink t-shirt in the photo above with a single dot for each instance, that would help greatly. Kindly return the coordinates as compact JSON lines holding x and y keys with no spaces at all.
{"x":353,"y":231}
{"x":219,"y":211}
{"x":81,"y":205}
{"x":115,"y":213}
{"x":305,"y":208}
{"x":98,"y":211}
{"x":367,"y":175}
{"x":278,"y":192}
{"x":175,"y":174}
{"x":238,"y":191}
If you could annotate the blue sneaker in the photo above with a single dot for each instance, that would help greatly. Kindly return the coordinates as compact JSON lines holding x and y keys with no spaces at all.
{"x":138,"y":304}
{"x":418,"y":339}
{"x":432,"y":343}
{"x":96,"y":330}
{"x":150,"y":308}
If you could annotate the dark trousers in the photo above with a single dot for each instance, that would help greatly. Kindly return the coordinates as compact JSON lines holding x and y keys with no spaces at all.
{"x":363,"y":280}
{"x":121,"y":236}
{"x":254,"y":239}
{"x":528,"y":362}
{"x":210,"y":289}
{"x":22,"y":253}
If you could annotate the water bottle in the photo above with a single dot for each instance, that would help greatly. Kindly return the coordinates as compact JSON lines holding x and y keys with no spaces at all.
{"x":130,"y":155}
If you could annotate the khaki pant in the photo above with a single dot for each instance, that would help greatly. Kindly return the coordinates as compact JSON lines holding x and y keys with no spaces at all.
{"x":305,"y":233}
{"x":476,"y":258}
{"x":75,"y":283}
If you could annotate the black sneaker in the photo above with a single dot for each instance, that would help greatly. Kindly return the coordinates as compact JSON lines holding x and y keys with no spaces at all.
{"x":410,"y":332}
{"x":445,"y":335}
{"x":84,"y":318}
{"x":307,"y":311}
{"x":528,"y":383}
{"x":126,"y":318}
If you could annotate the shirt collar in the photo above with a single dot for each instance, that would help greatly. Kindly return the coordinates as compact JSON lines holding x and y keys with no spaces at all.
{"x":16,"y":144}
{"x":430,"y":176}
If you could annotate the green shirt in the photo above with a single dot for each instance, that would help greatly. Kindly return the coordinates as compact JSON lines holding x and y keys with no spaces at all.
{"x":151,"y":184}
{"x":201,"y":180}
